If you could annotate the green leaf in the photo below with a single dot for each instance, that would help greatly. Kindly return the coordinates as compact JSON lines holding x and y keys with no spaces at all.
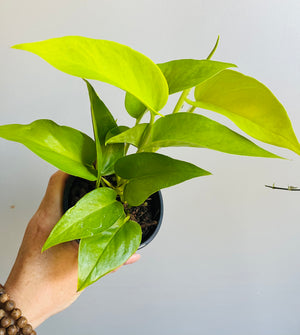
{"x":149,"y":172}
{"x":134,"y":107}
{"x":106,"y":61}
{"x":107,"y":251}
{"x":66,"y":148}
{"x":131,"y":136}
{"x":182,"y":74}
{"x":114,"y":132}
{"x":250,"y":105}
{"x":103,"y":122}
{"x":92,"y":214}
{"x":193,"y":130}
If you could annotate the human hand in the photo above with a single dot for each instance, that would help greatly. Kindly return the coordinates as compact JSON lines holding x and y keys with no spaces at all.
{"x":43,"y":284}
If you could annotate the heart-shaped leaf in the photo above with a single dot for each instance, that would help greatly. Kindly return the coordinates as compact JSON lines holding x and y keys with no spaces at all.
{"x":92,"y":214}
{"x":193,"y":130}
{"x":181,"y":74}
{"x":134,"y":107}
{"x":149,"y":172}
{"x":107,"y":251}
{"x":250,"y":105}
{"x":132,"y":136}
{"x":106,"y":61}
{"x":103,"y":122}
{"x":66,"y":148}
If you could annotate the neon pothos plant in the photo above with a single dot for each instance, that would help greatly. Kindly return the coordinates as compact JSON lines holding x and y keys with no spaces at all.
{"x":108,"y":236}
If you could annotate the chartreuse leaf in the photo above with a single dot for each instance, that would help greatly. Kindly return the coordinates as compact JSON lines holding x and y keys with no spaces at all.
{"x":132,"y":136}
{"x":106,"y":61}
{"x":99,"y":255}
{"x":181,"y":74}
{"x":194,"y":130}
{"x":92,"y":214}
{"x":250,"y":105}
{"x":103,"y":122}
{"x":149,"y":172}
{"x":66,"y":148}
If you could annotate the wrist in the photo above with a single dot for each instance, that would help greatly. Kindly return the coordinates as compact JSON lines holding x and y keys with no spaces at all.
{"x":12,"y":320}
{"x":27,"y":301}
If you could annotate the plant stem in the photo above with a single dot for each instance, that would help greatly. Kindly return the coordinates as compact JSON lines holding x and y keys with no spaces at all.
{"x":102,"y":184}
{"x":214,"y":49}
{"x":98,"y":181}
{"x":191,"y":109}
{"x":152,"y":117}
{"x":185,"y":93}
{"x":181,"y":100}
{"x":289,"y":188}
{"x":108,"y":183}
{"x":119,"y":181}
{"x":127,"y":218}
{"x":147,"y":132}
{"x":138,"y":120}
{"x":126,"y":147}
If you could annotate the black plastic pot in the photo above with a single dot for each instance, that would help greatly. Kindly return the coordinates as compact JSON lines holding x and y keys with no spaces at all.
{"x":77,"y":187}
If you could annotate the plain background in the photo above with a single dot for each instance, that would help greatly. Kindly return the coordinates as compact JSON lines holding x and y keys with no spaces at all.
{"x":227,"y":259}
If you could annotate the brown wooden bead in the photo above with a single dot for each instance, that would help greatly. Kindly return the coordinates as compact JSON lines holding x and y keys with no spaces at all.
{"x":16,"y":313}
{"x":3,"y":298}
{"x":9,"y":305}
{"x":12,"y":330}
{"x":19,"y":332}
{"x":6,"y":322}
{"x":2,"y":290}
{"x":2,"y":331}
{"x":2,"y":313}
{"x":33,"y":332}
{"x":27,"y":330}
{"x":22,"y":322}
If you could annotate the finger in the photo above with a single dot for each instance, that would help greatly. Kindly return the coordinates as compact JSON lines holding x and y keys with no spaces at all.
{"x":52,"y":200}
{"x":134,"y":258}
{"x":49,"y":212}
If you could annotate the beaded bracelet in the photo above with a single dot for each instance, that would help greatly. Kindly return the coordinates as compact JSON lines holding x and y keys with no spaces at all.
{"x":11,"y":320}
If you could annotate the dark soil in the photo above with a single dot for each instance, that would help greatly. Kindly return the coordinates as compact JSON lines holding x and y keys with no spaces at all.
{"x":146,"y":215}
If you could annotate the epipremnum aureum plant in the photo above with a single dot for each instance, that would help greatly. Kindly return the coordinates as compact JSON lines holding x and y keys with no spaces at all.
{"x":108,"y":237}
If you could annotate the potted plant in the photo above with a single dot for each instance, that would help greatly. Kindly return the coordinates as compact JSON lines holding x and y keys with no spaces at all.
{"x":117,"y":181}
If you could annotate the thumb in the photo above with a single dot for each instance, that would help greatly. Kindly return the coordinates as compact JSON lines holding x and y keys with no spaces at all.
{"x":51,"y":205}
{"x":54,"y":194}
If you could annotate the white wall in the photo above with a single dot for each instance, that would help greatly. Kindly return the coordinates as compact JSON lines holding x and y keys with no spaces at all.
{"x":227,"y":259}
